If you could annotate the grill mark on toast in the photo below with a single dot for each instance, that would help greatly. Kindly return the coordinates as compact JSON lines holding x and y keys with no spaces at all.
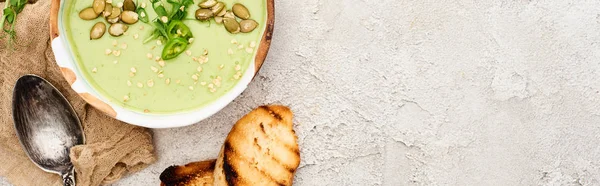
{"x":278,"y":118}
{"x":269,"y":176}
{"x":295,"y":150}
{"x":168,"y":176}
{"x":262,"y":128}
{"x":231,"y":175}
{"x":212,"y":165}
{"x":276,"y":123}
{"x":271,"y":155}
{"x":257,"y":145}
{"x":265,"y":174}
{"x":185,"y":174}
{"x":286,"y":145}
{"x":290,"y":169}
{"x":272,"y":112}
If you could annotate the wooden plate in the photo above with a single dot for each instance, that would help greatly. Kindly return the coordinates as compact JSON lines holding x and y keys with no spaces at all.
{"x":71,"y":74}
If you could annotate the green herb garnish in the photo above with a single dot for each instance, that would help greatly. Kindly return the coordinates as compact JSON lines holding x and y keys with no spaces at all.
{"x":9,"y":18}
{"x":169,"y":28}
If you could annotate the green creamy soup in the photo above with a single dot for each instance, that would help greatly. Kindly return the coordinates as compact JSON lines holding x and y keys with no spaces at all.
{"x":127,"y":72}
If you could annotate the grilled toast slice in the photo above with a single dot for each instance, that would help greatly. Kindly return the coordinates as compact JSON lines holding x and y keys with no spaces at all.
{"x":261,"y":149}
{"x":191,"y":174}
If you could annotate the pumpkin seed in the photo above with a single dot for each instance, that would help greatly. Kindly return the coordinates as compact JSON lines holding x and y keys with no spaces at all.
{"x":248,"y":25}
{"x":241,"y":11}
{"x":218,"y":7}
{"x":222,"y":13}
{"x":207,"y":3}
{"x":117,"y":29}
{"x":128,"y":5}
{"x":98,"y":6}
{"x":219,"y":20}
{"x":229,"y":14}
{"x":116,"y":12}
{"x":113,"y":20}
{"x":97,"y":31}
{"x":88,"y":14}
{"x":204,"y":14}
{"x":129,"y":17}
{"x":231,"y":25}
{"x":107,"y":10}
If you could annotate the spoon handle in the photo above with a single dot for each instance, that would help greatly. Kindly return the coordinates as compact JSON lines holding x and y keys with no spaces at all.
{"x":69,"y":178}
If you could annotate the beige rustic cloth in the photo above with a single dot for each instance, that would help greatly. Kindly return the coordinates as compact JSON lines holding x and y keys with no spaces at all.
{"x":112,"y":148}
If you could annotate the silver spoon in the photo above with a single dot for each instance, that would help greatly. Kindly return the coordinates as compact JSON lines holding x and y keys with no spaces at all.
{"x":46,"y":125}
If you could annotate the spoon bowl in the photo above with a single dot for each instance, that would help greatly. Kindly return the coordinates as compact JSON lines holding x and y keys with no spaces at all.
{"x":47,"y":125}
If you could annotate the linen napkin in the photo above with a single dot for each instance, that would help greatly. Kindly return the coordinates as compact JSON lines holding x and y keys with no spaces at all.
{"x":112,"y":148}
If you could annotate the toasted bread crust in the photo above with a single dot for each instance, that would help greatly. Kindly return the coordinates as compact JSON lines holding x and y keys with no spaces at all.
{"x":191,"y":174}
{"x":261,"y":149}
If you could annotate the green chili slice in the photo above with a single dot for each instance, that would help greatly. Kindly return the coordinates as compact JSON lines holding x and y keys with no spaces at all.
{"x":178,"y":29}
{"x":141,"y":11}
{"x":173,"y":48}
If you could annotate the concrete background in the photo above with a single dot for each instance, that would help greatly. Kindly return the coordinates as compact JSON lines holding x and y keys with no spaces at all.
{"x":427,"y":92}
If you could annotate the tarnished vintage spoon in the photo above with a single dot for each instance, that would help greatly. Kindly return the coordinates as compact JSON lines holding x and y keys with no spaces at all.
{"x":46,"y":125}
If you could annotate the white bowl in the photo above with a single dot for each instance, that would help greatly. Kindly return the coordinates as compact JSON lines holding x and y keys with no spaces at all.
{"x":78,"y":82}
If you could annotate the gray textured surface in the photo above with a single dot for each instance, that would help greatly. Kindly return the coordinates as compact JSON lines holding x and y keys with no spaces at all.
{"x":425,"y":93}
